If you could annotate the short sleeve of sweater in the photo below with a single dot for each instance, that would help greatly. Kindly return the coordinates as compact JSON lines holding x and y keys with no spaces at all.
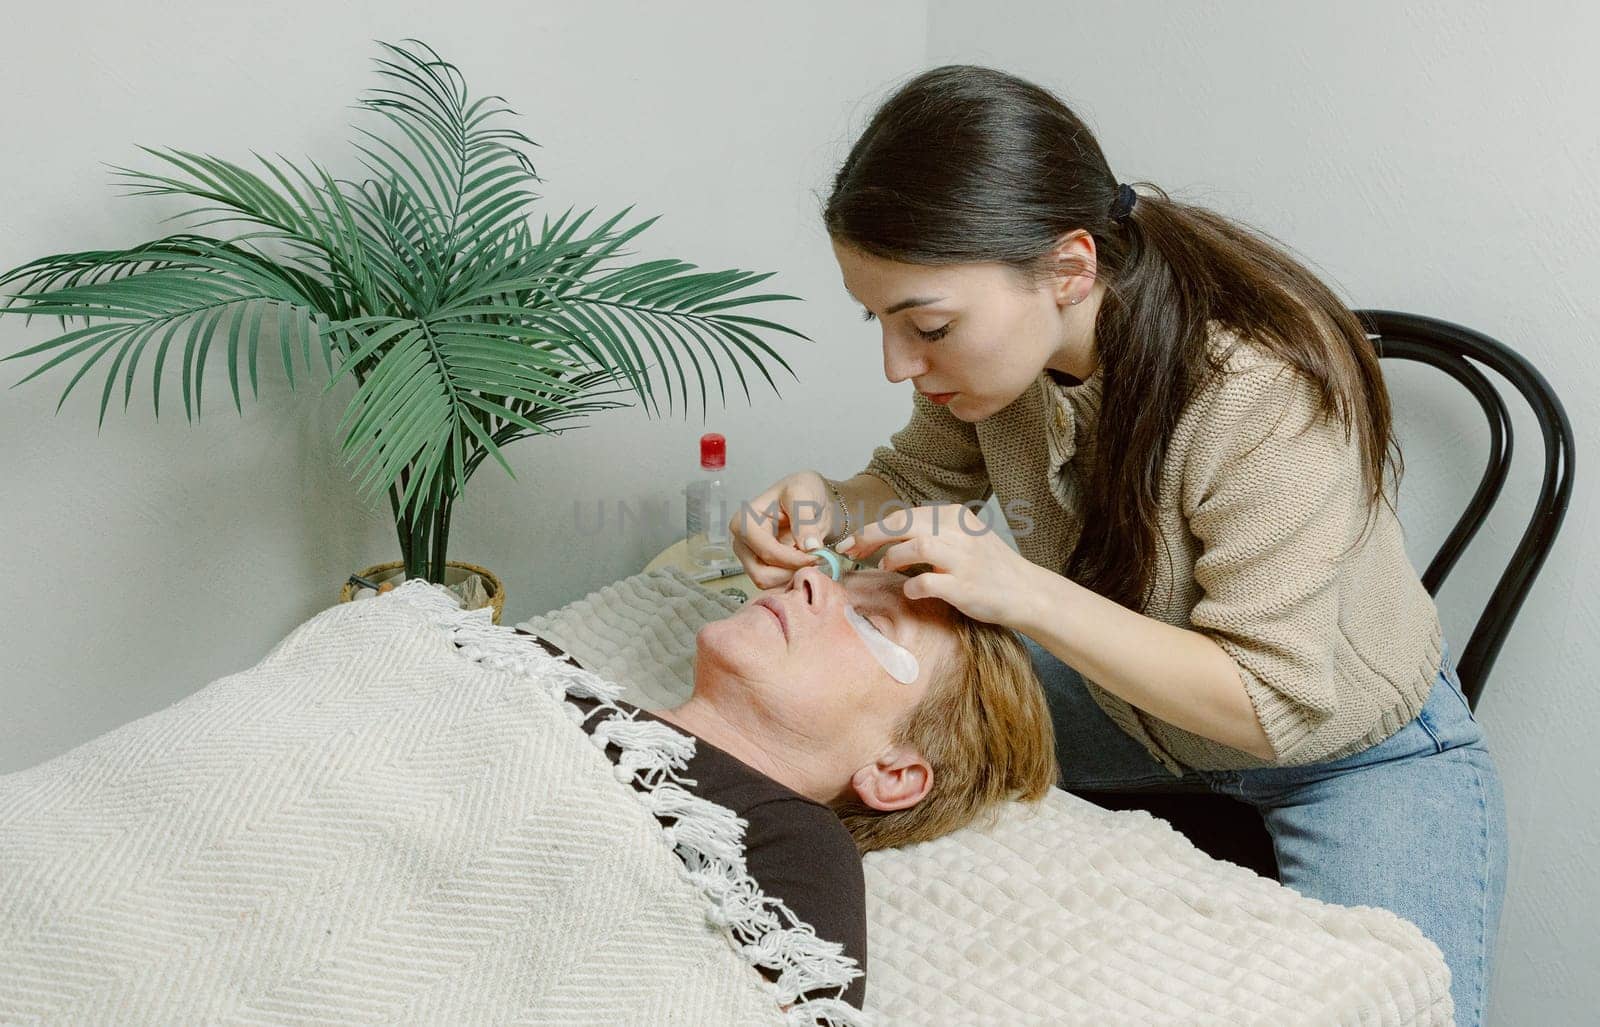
{"x":935,"y":458}
{"x":1273,"y":503}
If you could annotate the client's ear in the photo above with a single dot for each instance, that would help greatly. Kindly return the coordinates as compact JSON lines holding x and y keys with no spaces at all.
{"x":898,"y":779}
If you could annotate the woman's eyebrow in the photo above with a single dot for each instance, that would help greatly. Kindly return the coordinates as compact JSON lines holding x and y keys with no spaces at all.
{"x":915,"y":301}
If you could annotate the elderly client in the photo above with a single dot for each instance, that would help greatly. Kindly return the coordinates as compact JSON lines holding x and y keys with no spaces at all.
{"x":803,"y":734}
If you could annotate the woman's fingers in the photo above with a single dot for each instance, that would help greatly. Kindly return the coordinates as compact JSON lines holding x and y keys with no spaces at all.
{"x":764,"y":575}
{"x":871,"y":537}
{"x":762,"y":532}
{"x":771,"y":542}
{"x":929,"y":523}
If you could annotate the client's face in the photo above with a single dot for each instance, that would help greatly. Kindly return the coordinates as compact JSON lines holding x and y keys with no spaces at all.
{"x":792,"y":653}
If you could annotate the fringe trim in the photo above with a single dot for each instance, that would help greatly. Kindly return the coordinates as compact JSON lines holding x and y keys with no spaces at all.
{"x":706,"y":837}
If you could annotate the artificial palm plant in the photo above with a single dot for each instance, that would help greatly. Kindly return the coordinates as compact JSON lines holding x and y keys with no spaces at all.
{"x":465,"y":331}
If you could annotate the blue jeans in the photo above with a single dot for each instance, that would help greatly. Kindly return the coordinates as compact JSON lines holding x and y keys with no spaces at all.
{"x":1427,"y":798}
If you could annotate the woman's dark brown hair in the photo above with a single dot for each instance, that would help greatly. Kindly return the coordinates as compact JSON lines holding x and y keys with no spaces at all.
{"x":966,"y":164}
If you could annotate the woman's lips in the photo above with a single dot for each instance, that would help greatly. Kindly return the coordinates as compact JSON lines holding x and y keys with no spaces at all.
{"x":772,"y":607}
{"x":939,"y":397}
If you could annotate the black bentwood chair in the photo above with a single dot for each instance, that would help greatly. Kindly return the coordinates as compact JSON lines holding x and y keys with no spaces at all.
{"x":1226,"y":828}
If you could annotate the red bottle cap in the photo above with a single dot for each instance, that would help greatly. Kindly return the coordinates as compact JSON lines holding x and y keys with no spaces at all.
{"x":713,"y":451}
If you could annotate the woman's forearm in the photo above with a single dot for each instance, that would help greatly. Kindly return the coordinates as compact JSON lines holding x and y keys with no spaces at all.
{"x":1178,"y":675}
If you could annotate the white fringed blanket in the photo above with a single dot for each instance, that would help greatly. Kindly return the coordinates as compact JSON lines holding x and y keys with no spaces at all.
{"x":1062,"y":914}
{"x":372,"y":825}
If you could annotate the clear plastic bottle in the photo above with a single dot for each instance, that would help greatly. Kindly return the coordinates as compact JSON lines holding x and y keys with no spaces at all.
{"x":707,"y":507}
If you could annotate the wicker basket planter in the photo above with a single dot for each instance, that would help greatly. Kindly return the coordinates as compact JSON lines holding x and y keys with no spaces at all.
{"x":455,"y":570}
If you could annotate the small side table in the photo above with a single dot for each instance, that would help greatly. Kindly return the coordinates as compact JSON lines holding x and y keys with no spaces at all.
{"x":677,"y":555}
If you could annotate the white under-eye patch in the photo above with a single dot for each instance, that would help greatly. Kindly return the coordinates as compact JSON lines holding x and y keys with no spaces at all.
{"x":895,"y":659}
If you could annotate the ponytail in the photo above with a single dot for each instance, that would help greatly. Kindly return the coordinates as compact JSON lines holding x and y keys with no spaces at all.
{"x":966,"y":164}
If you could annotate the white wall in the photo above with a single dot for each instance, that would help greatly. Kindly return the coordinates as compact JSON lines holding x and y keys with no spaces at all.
{"x":1432,"y":157}
{"x":152,"y":556}
{"x":1428,"y":157}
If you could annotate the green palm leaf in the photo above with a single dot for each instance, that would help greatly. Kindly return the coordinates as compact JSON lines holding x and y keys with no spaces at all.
{"x":463,"y":326}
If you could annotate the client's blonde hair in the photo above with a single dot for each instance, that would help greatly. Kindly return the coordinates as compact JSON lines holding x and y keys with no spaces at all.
{"x":983,"y":727}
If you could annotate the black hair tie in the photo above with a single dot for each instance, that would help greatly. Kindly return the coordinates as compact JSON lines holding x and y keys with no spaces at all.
{"x":1122,"y":206}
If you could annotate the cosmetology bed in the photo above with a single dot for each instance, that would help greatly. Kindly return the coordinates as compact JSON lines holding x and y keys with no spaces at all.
{"x":373,"y":824}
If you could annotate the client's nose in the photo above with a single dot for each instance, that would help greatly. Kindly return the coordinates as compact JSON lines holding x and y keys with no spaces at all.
{"x":813,"y":584}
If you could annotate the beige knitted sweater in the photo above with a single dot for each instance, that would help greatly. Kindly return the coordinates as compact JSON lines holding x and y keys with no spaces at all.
{"x":1336,"y":655}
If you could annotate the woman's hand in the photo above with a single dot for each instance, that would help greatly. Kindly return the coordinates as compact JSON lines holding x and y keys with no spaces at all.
{"x":972,"y":568}
{"x":771,"y":532}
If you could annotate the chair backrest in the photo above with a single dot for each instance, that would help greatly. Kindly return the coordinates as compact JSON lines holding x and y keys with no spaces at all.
{"x":1447,"y":346}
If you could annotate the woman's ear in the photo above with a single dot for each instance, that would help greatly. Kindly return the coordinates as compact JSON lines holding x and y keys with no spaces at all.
{"x":898,"y":779}
{"x":1074,"y":258}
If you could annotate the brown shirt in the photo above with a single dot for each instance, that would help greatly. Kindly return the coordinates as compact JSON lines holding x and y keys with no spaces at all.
{"x":796,"y":848}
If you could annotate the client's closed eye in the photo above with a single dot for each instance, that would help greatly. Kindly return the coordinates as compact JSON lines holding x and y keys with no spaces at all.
{"x":883,"y":625}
